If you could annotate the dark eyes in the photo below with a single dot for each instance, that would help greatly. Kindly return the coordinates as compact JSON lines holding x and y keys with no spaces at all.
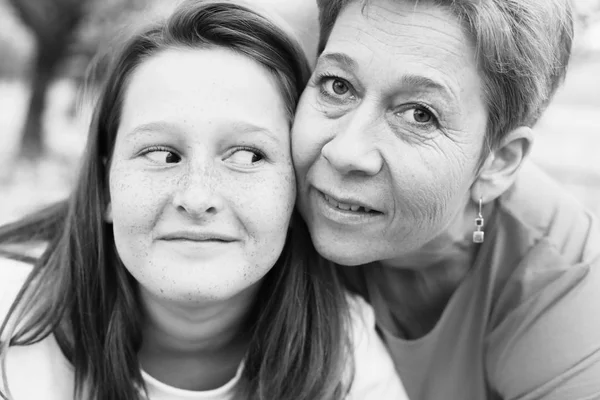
{"x":246,"y":157}
{"x":241,"y":156}
{"x":422,"y":116}
{"x":161,"y":155}
{"x":417,"y":114}
{"x":339,"y":87}
{"x":335,"y":88}
{"x":338,"y":91}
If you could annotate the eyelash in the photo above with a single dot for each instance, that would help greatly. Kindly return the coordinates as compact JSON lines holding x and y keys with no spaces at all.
{"x":167,"y":149}
{"x":322,"y":77}
{"x":252,"y":150}
{"x":156,"y":148}
{"x":415,"y":106}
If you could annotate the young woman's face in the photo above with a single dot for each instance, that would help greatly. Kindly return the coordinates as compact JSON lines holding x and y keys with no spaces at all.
{"x":201,"y":179}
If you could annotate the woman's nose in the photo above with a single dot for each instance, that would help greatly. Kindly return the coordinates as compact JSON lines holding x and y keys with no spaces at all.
{"x":198,"y":195}
{"x":352,"y":149}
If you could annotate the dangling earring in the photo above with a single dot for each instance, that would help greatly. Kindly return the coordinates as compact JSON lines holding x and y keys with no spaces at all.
{"x":478,"y":234}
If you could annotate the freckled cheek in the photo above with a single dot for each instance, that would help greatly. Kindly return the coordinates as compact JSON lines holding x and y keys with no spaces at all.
{"x":136,"y":200}
{"x":265,"y":207}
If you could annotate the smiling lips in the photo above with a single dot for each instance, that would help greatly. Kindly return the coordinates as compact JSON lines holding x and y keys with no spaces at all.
{"x":198,"y":236}
{"x":349,"y":207}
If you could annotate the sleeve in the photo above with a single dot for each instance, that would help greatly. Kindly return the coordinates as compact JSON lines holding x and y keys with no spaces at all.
{"x":375,"y":377}
{"x":548,"y":346}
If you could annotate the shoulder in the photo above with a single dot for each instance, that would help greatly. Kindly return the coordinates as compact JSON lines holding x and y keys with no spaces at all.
{"x":544,"y":252}
{"x":362,"y":316}
{"x":374,"y":375}
{"x":544,"y":330}
{"x":543,"y":262}
{"x":42,"y":361}
{"x":544,"y":249}
{"x":541,"y":209}
{"x":362,"y":329}
{"x":13,"y":275}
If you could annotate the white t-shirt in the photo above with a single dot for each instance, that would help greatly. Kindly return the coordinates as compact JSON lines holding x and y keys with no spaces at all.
{"x":40,"y":371}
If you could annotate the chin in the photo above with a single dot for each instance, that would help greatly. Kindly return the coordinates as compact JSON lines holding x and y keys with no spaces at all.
{"x":344,"y":254}
{"x":197,"y":296}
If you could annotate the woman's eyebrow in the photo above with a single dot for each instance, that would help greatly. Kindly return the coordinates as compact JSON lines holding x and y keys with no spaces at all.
{"x":423,"y":82}
{"x":246,"y":127}
{"x":170,"y":127}
{"x":339,"y":58}
{"x":152,"y":127}
{"x":408,"y":80}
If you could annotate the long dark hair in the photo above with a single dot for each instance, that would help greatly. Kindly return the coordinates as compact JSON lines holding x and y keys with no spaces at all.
{"x":80,"y":292}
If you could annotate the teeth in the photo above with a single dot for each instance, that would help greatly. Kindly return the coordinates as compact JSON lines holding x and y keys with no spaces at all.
{"x":331,"y":201}
{"x":346,"y":207}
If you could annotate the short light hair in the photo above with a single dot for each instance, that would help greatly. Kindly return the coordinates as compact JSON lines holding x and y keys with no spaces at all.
{"x":523,"y":49}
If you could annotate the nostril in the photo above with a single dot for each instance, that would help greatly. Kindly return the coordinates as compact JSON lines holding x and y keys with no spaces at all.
{"x":355,"y":158}
{"x":197,"y":203}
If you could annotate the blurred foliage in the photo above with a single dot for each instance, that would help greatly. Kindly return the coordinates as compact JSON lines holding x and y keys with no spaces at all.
{"x":53,"y":25}
{"x":102,"y":21}
{"x":15,"y":44}
{"x":65,"y":34}
{"x":587,"y":11}
{"x":106,"y":22}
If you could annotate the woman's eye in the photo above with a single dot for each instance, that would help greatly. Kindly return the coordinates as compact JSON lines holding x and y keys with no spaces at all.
{"x":161,"y":156}
{"x":418,"y":115}
{"x":339,"y":87}
{"x":336,"y":88}
{"x":246,"y":157}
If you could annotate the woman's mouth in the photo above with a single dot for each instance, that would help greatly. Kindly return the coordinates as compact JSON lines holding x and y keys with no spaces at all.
{"x":349,"y":206}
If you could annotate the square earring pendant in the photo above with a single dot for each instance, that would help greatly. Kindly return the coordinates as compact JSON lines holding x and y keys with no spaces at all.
{"x":478,"y":237}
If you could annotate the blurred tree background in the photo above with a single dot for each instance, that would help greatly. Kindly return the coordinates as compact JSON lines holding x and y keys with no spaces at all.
{"x":65,"y":36}
{"x":46,"y":47}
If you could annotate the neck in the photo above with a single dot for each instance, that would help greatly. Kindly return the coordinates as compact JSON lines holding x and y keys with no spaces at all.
{"x":197,"y":347}
{"x":426,"y":279}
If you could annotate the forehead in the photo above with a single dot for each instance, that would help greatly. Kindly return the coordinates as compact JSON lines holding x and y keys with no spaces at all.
{"x":392,"y":37}
{"x":201,"y":86}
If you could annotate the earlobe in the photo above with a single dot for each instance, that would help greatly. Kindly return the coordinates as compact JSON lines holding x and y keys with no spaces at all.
{"x":499,"y":170}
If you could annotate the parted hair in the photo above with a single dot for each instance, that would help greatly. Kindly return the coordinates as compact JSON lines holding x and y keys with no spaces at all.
{"x":523,"y":48}
{"x":80,"y":292}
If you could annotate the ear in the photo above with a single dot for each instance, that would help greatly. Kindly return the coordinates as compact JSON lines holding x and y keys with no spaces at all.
{"x":499,"y":171}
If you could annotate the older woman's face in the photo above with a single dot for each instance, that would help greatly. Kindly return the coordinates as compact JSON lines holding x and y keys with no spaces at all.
{"x":388,"y":132}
